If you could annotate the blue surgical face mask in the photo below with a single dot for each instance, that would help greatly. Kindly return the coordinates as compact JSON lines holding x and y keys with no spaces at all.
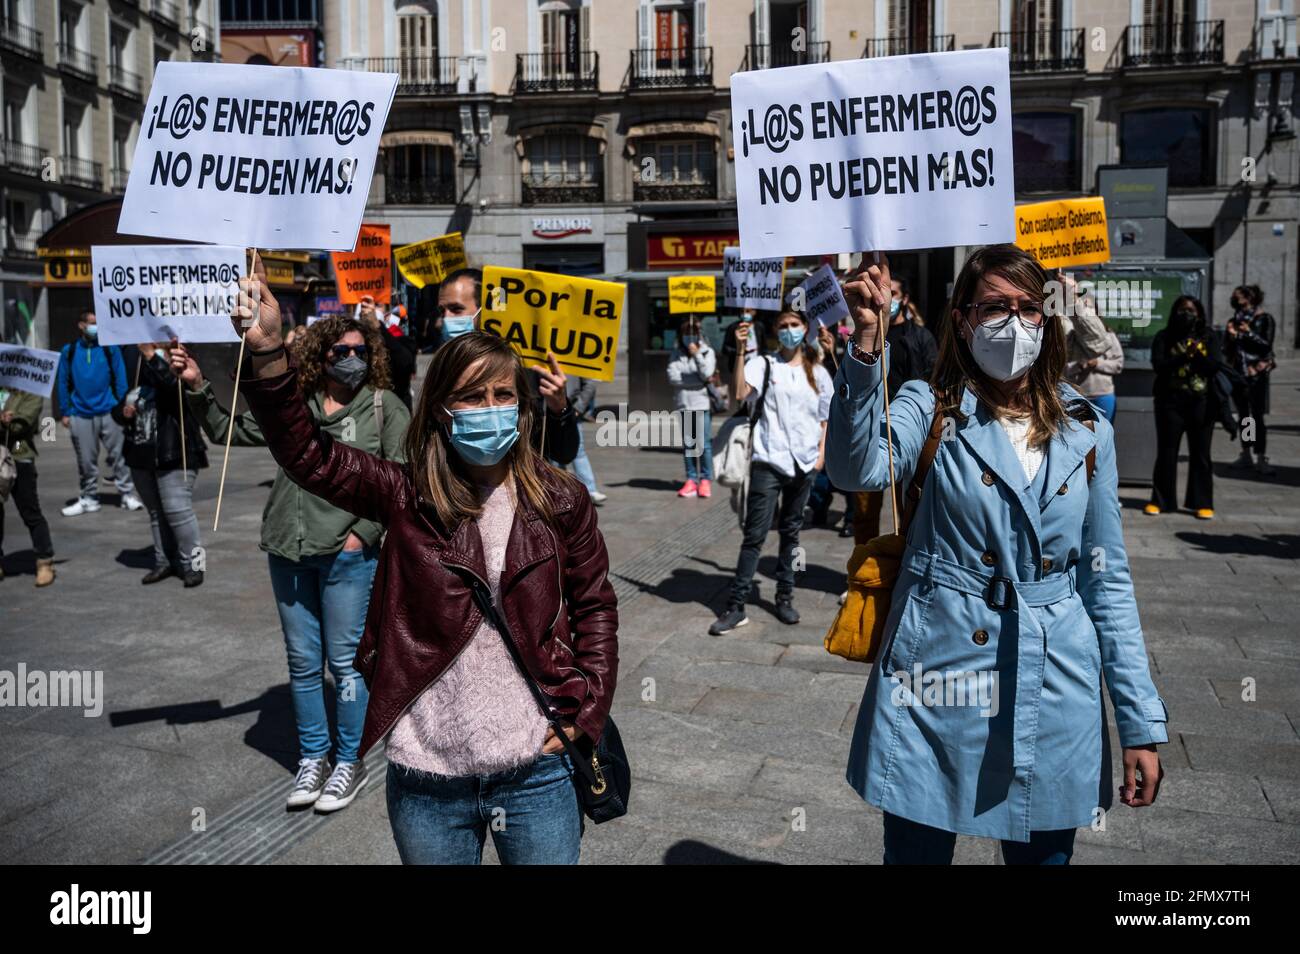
{"x":92,"y":332}
{"x":453,"y":326}
{"x":790,"y":337}
{"x":894,"y":305}
{"x":484,"y":435}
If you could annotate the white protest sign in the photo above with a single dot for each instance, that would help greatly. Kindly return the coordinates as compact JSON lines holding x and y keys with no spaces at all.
{"x":823,"y":299}
{"x":28,"y":369}
{"x":256,"y":156}
{"x":752,"y":283}
{"x":157,"y":292}
{"x":893,"y":153}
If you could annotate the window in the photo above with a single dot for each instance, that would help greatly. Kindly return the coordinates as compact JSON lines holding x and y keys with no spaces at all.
{"x":1177,"y":136}
{"x":118,"y":38}
{"x":417,"y":44}
{"x":564,"y":167}
{"x":18,"y":224}
{"x":419,"y":174}
{"x":565,"y":37}
{"x":673,"y":41}
{"x":73,"y":114}
{"x":681,"y":161}
{"x":69,"y":25}
{"x":1046,"y":151}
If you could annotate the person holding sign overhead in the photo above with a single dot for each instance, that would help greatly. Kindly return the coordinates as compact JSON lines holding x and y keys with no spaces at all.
{"x":793,"y":392}
{"x":492,"y":593}
{"x":322,"y":557}
{"x":1013,"y":574}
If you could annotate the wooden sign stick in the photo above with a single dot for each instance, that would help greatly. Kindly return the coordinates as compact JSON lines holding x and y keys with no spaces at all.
{"x":230,"y":431}
{"x":889,"y":431}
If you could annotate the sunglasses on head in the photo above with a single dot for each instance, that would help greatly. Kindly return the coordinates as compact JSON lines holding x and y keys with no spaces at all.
{"x":341,"y":351}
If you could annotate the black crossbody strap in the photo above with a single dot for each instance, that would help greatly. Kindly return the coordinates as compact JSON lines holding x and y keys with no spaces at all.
{"x":761,"y":404}
{"x":484,"y":600}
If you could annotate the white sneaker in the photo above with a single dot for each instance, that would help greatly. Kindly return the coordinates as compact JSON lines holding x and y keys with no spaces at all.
{"x":598,"y":497}
{"x":130,"y":502}
{"x":347,"y":779}
{"x":80,"y":506}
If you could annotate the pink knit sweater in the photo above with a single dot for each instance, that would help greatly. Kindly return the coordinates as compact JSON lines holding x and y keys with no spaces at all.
{"x":479,"y":717}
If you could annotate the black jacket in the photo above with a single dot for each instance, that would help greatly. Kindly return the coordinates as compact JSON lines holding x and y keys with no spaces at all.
{"x":152,"y":438}
{"x":401,"y":364}
{"x":912,"y":354}
{"x":1174,"y":363}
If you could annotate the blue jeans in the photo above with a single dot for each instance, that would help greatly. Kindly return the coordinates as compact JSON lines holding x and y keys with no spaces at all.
{"x":697,"y":436}
{"x":911,"y":843}
{"x":322,"y":602}
{"x":1106,"y":402}
{"x":532,"y":812}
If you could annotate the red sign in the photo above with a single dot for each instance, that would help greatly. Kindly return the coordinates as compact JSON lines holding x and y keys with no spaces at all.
{"x":689,"y":248}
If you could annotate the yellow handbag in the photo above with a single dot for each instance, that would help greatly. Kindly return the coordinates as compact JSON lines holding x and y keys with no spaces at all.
{"x":859,"y":628}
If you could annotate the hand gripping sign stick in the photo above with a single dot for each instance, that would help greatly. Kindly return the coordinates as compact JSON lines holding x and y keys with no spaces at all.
{"x":889,"y":431}
{"x":239,"y":366}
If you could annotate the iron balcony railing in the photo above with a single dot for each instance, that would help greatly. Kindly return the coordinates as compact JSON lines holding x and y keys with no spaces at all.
{"x":417,"y":74}
{"x":166,"y":11}
{"x":78,"y":62}
{"x":74,"y":170}
{"x":120,"y":177}
{"x":22,"y":39}
{"x":1275,"y":39}
{"x":1172,"y":42}
{"x":906,"y":45}
{"x":1043,"y":51}
{"x":559,"y":188}
{"x":557,"y":72}
{"x":766,"y":56}
{"x":20,"y":246}
{"x":419,"y":191}
{"x":674,"y":191}
{"x":682,"y":68}
{"x":121,"y":80}
{"x":21,"y":158}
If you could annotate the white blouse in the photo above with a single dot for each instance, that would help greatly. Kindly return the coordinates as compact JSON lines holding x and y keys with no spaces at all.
{"x":1031,"y":458}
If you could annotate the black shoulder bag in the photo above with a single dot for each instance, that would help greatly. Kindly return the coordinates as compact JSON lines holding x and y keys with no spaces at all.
{"x":601,"y":776}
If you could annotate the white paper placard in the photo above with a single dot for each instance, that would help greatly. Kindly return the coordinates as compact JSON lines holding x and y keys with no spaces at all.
{"x":256,"y":156}
{"x":28,"y":369}
{"x":898,"y":152}
{"x":157,"y":292}
{"x":823,"y":299}
{"x":752,"y":283}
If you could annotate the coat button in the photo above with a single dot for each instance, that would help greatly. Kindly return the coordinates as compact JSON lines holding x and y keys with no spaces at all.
{"x":987,"y":478}
{"x":1064,"y":489}
{"x":1047,"y":564}
{"x":844,"y":390}
{"x":988,"y":558}
{"x":980,"y":637}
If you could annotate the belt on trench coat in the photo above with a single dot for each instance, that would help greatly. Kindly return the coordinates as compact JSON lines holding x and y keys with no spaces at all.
{"x":1007,"y":595}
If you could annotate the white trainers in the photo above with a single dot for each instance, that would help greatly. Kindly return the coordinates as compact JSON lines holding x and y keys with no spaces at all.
{"x":79,"y":506}
{"x":309,"y":782}
{"x":347,"y":779}
{"x":131,"y":502}
{"x":598,"y":497}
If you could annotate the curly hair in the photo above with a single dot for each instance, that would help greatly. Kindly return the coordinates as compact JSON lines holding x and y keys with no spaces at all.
{"x":310,"y":347}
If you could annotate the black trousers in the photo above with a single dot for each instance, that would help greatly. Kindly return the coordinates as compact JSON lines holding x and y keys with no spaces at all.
{"x":1252,"y":401}
{"x":771,"y":493}
{"x":29,"y":509}
{"x":1174,"y":418}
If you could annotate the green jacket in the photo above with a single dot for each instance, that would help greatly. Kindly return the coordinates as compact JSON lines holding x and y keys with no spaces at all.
{"x":25,"y":425}
{"x":296,"y":524}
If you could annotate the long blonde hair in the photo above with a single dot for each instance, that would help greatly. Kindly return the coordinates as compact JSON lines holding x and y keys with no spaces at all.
{"x":438,"y":472}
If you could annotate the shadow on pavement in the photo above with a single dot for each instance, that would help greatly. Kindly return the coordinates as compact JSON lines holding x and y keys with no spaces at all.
{"x":139,"y":559}
{"x":1280,"y":546}
{"x":698,"y":853}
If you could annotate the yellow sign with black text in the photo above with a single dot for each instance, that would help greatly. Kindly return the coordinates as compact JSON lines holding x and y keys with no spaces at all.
{"x":692,"y":294}
{"x":67,"y":271}
{"x":575,"y":319}
{"x":430,"y":261}
{"x":1064,"y":232}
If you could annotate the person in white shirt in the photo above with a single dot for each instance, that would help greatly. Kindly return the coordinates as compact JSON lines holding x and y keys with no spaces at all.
{"x":688,"y":373}
{"x":789,"y":448}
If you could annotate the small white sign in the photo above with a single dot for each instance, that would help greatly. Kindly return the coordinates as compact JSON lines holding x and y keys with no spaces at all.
{"x":158,"y":292}
{"x":752,"y":283}
{"x":824,"y":302}
{"x":256,"y":156}
{"x":28,"y":369}
{"x":893,"y":153}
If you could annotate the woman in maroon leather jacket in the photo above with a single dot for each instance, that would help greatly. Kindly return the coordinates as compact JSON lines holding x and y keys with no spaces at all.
{"x":468,"y":747}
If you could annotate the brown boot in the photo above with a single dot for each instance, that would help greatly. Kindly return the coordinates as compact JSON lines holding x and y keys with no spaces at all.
{"x":44,"y":572}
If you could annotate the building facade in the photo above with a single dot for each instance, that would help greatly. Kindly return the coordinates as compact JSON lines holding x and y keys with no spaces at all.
{"x":74,"y":82}
{"x":563,"y":134}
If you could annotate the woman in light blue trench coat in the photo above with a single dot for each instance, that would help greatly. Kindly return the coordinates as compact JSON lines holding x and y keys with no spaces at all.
{"x":1014,"y":571}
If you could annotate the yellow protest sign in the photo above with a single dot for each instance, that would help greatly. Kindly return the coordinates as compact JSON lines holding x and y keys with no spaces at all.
{"x":430,"y":261}
{"x":576,"y":319}
{"x":1064,"y":232}
{"x":691,"y":294}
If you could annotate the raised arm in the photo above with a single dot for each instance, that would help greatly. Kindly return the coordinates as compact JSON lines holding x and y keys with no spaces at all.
{"x":201,"y":401}
{"x":344,"y":476}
